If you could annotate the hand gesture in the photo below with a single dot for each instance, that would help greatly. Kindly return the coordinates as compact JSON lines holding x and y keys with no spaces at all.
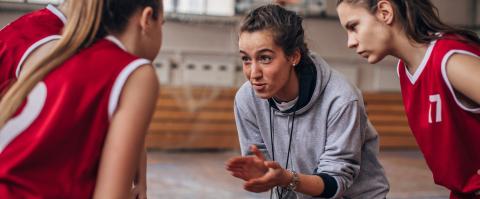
{"x":260,"y":175}
{"x":275,"y":176}
{"x":248,"y":167}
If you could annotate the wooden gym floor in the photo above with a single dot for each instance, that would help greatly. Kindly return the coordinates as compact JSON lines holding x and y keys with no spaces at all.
{"x":201,"y":174}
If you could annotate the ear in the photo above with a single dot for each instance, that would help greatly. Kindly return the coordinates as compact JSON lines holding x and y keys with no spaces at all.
{"x":146,"y":18}
{"x":295,"y":57}
{"x":385,"y":11}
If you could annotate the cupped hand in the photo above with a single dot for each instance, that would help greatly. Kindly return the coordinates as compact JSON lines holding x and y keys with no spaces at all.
{"x":275,"y":176}
{"x":248,"y":167}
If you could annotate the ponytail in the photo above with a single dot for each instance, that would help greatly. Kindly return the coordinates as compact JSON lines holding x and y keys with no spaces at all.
{"x":420,"y":20}
{"x":81,"y":29}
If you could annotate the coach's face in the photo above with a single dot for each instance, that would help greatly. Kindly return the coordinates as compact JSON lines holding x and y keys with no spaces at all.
{"x":266,"y":66}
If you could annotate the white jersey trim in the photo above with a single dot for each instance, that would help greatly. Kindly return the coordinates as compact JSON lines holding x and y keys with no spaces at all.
{"x":450,"y":87}
{"x":57,"y":12}
{"x":398,"y":68}
{"x":31,"y":49}
{"x":116,"y":41}
{"x":413,"y":78}
{"x":120,"y":82}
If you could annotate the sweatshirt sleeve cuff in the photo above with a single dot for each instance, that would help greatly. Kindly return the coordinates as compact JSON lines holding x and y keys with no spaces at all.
{"x":331,"y":186}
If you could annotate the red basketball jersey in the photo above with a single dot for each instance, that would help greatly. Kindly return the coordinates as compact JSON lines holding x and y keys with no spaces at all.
{"x":52,"y":148}
{"x":24,"y":35}
{"x":447,"y":131}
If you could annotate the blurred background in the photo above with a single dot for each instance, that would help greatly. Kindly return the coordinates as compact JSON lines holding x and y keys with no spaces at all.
{"x":193,"y":131}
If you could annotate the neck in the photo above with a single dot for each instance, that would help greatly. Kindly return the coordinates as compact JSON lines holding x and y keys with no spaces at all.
{"x":410,"y":52}
{"x":290,"y":91}
{"x":128,"y":39}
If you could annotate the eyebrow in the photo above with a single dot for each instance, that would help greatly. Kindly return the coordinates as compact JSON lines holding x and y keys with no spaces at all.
{"x":258,"y":52}
{"x":265,"y":50}
{"x":243,"y":52}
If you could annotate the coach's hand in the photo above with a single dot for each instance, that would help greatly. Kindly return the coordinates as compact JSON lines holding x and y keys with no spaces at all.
{"x":248,"y":167}
{"x":275,"y":176}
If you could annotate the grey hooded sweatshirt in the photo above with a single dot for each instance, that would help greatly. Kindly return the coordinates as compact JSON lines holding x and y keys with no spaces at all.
{"x":331,"y":135}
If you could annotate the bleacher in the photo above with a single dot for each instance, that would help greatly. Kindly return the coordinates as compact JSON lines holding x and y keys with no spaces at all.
{"x":202,"y":118}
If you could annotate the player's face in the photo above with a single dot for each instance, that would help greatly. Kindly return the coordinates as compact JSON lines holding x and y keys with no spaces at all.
{"x":366,"y":34}
{"x":265,"y":64}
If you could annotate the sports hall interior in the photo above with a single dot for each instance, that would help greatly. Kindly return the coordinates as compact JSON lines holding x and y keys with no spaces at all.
{"x":193,"y":131}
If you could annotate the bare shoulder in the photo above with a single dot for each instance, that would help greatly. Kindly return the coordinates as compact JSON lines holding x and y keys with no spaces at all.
{"x":462,"y":71}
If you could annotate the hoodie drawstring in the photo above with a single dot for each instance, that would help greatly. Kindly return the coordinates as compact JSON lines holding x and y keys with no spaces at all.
{"x":272,"y":130}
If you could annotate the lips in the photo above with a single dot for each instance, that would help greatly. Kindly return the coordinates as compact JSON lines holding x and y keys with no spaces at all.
{"x":258,"y":86}
{"x":363,"y":54}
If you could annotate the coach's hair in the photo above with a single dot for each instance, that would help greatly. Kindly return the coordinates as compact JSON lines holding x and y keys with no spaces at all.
{"x":286,"y":27}
{"x":419,"y":19}
{"x":88,"y":20}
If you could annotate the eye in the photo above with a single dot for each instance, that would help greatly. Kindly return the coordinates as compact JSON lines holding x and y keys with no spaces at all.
{"x":246,"y":60}
{"x":265,"y":59}
{"x":352,"y":27}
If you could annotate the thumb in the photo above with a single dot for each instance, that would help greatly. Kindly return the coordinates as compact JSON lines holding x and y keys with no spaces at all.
{"x":272,"y":165}
{"x":254,"y":149}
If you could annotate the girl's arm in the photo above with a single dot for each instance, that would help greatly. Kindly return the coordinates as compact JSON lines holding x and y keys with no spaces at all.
{"x":125,"y":139}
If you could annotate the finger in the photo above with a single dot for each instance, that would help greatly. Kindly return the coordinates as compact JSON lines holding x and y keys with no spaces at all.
{"x":272,"y":165}
{"x":240,"y":175}
{"x":238,"y":172}
{"x":235,"y":160}
{"x":258,"y":188}
{"x":134,"y":194}
{"x":236,"y":169}
{"x":259,"y":181}
{"x":235,"y":166}
{"x":257,"y":152}
{"x":240,"y":160}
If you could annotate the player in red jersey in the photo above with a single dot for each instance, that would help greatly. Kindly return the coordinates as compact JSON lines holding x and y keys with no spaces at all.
{"x":438,"y":69}
{"x":23,"y":36}
{"x":82,"y":126}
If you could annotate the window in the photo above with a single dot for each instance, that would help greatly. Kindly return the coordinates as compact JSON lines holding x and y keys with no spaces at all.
{"x":304,"y":7}
{"x":34,"y":1}
{"x":201,"y":7}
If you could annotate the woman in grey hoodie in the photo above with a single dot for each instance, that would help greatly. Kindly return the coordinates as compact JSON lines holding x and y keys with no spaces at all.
{"x":303,"y":128}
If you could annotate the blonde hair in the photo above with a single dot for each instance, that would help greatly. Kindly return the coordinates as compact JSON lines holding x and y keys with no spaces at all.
{"x":80,"y":31}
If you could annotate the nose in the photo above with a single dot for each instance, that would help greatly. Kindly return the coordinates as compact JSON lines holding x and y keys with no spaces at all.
{"x":352,"y":41}
{"x":255,"y":71}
